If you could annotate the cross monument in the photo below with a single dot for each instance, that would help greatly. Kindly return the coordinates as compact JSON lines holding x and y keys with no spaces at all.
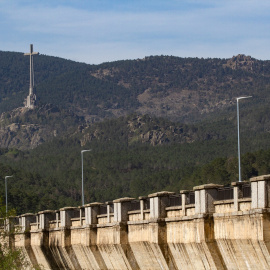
{"x":31,"y":98}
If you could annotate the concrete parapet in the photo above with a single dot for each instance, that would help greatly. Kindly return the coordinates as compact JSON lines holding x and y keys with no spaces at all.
{"x":238,"y":193}
{"x":10,"y":223}
{"x":144,"y":207}
{"x":110,"y":211}
{"x":205,"y":195}
{"x":158,"y":203}
{"x":26,"y":220}
{"x":121,"y":208}
{"x":45,"y":217}
{"x":91,"y":213}
{"x":66,"y":214}
{"x":163,"y":230}
{"x":260,"y":191}
{"x":184,"y":194}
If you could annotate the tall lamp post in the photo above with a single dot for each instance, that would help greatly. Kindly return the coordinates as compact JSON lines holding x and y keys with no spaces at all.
{"x":82,"y":173}
{"x":6,"y":191}
{"x":238,"y":131}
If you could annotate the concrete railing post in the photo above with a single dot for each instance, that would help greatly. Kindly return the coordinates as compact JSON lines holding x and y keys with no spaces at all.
{"x":142,"y":206}
{"x":158,"y":203}
{"x":184,"y":200}
{"x":26,"y":220}
{"x":82,"y":214}
{"x":110,"y":205}
{"x":260,"y":187}
{"x":92,"y":210}
{"x":44,"y":218}
{"x":66,"y":214}
{"x":121,"y":208}
{"x":91,"y":213}
{"x":57,"y":218}
{"x":204,"y":198}
{"x":10,"y":223}
{"x":237,"y":193}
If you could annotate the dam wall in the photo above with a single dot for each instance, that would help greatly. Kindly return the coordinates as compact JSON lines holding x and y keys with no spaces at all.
{"x":209,"y":227}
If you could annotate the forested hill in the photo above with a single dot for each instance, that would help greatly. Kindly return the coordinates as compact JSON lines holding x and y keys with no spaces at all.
{"x":181,"y":89}
{"x":159,"y":123}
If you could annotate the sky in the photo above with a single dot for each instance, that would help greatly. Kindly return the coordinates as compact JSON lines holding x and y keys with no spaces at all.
{"x":97,"y":31}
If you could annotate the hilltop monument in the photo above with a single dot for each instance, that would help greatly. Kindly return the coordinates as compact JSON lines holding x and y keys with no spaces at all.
{"x":30,"y":101}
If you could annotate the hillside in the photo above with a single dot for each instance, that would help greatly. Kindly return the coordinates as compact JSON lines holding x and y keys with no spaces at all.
{"x":132,"y":156}
{"x":181,"y":89}
{"x":159,"y":123}
{"x":26,"y":129}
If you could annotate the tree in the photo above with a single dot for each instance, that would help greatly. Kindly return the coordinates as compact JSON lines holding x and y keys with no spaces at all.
{"x":10,"y":258}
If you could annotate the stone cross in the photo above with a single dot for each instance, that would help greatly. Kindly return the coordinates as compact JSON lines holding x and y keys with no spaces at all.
{"x":31,"y":98}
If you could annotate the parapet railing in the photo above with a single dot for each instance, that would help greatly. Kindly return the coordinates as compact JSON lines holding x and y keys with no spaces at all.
{"x":135,"y":205}
{"x":103,"y":210}
{"x":190,"y":199}
{"x":79,"y":217}
{"x":181,"y":205}
{"x":246,"y":190}
{"x":175,"y":200}
{"x":105,"y":213}
{"x":204,"y":199}
{"x":225,"y":193}
{"x":146,"y":204}
{"x":139,"y":209}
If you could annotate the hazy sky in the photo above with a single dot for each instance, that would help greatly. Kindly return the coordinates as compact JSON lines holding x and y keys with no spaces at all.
{"x":96,"y":31}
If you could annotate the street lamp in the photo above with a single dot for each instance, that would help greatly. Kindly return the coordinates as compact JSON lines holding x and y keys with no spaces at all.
{"x":238,"y":130}
{"x":82,"y":173}
{"x":6,"y":191}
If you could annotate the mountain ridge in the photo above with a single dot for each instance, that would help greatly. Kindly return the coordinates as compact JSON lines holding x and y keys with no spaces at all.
{"x":181,"y":89}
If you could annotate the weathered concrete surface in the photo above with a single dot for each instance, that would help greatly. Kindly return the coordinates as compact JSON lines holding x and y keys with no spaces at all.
{"x":84,"y":246}
{"x":112,"y":241}
{"x":61,"y":249}
{"x":194,"y":241}
{"x":155,"y":232}
{"x":148,"y":243}
{"x":23,"y":242}
{"x":39,"y":244}
{"x":243,"y":239}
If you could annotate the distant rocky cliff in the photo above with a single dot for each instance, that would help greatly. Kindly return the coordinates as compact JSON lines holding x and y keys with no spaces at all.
{"x":143,"y":129}
{"x":26,"y":129}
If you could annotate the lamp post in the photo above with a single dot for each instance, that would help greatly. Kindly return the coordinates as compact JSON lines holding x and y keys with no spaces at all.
{"x":6,"y":191}
{"x":82,"y":173}
{"x":238,"y":131}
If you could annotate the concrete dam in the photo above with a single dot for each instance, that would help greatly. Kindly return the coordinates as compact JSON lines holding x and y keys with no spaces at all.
{"x":209,"y":227}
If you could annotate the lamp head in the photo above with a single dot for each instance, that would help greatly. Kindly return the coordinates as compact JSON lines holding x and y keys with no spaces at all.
{"x":86,"y":150}
{"x":243,"y":97}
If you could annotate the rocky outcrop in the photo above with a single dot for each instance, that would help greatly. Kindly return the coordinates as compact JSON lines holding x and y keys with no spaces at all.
{"x":23,"y":129}
{"x":20,"y":136}
{"x":144,"y":129}
{"x":241,"y":61}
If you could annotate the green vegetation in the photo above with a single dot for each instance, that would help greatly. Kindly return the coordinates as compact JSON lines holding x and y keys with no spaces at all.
{"x":10,"y":258}
{"x":49,"y":176}
{"x":131,"y":155}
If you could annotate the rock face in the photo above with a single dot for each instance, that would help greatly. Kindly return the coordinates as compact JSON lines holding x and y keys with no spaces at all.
{"x":143,"y":129}
{"x":26,"y":129}
{"x":22,"y":136}
{"x":241,"y":61}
